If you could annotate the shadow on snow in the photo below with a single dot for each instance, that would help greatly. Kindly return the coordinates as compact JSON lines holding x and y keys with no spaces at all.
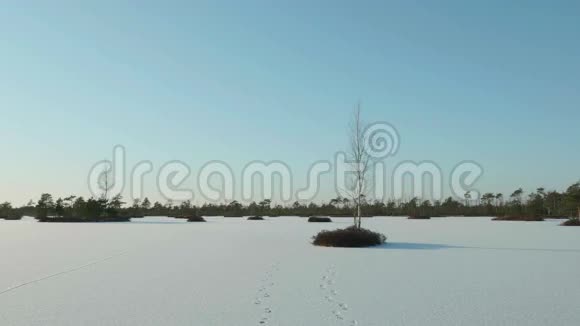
{"x":434,"y":246}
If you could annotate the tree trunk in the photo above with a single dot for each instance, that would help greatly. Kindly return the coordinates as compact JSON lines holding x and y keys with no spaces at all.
{"x":358,"y":215}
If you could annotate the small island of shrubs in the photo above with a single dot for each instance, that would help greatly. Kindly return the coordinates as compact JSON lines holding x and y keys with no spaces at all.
{"x":233,"y":215}
{"x":60,"y":219}
{"x":196,"y":218}
{"x":419,"y":217}
{"x":255,"y":218}
{"x":351,"y":237}
{"x":575,"y":221}
{"x":7,"y":212}
{"x":525,"y":218}
{"x":349,"y":215}
{"x":11,"y":218}
{"x":77,"y":210}
{"x":319,"y":219}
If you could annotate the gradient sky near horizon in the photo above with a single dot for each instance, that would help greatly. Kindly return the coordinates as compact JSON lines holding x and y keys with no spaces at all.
{"x":496,"y":82}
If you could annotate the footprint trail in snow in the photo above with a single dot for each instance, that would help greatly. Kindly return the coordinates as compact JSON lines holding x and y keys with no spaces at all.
{"x":262,"y":299}
{"x":331,"y":296}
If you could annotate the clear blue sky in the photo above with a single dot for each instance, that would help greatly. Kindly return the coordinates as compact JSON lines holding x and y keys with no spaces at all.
{"x":496,"y":82}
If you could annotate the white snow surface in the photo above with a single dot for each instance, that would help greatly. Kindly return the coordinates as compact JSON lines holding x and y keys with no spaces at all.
{"x":230,"y":271}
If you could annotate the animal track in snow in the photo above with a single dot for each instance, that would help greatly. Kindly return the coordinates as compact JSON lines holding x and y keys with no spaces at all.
{"x":263,"y":295}
{"x":338,"y":308}
{"x":62,"y":272}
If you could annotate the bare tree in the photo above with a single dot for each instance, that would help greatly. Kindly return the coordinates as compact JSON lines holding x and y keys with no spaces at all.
{"x":359,"y":160}
{"x":467,"y":196}
{"x":105,"y":176}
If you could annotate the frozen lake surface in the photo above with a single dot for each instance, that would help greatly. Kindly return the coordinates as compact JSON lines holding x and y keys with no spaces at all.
{"x":161,"y":271}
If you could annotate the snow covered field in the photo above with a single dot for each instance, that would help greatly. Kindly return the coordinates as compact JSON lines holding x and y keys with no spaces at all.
{"x":161,"y":271}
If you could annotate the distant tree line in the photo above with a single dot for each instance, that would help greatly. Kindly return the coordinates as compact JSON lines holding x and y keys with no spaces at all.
{"x":537,"y":203}
{"x":69,"y":207}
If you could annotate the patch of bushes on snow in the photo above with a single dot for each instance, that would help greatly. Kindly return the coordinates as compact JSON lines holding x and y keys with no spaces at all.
{"x":7,"y":212}
{"x":349,"y":215}
{"x":319,"y":219}
{"x":572,"y":222}
{"x":419,"y":217}
{"x":12,"y":217}
{"x":351,"y":237}
{"x":255,"y":218}
{"x":196,"y":218}
{"x":525,"y":218}
{"x":232,"y":215}
{"x":60,"y":219}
